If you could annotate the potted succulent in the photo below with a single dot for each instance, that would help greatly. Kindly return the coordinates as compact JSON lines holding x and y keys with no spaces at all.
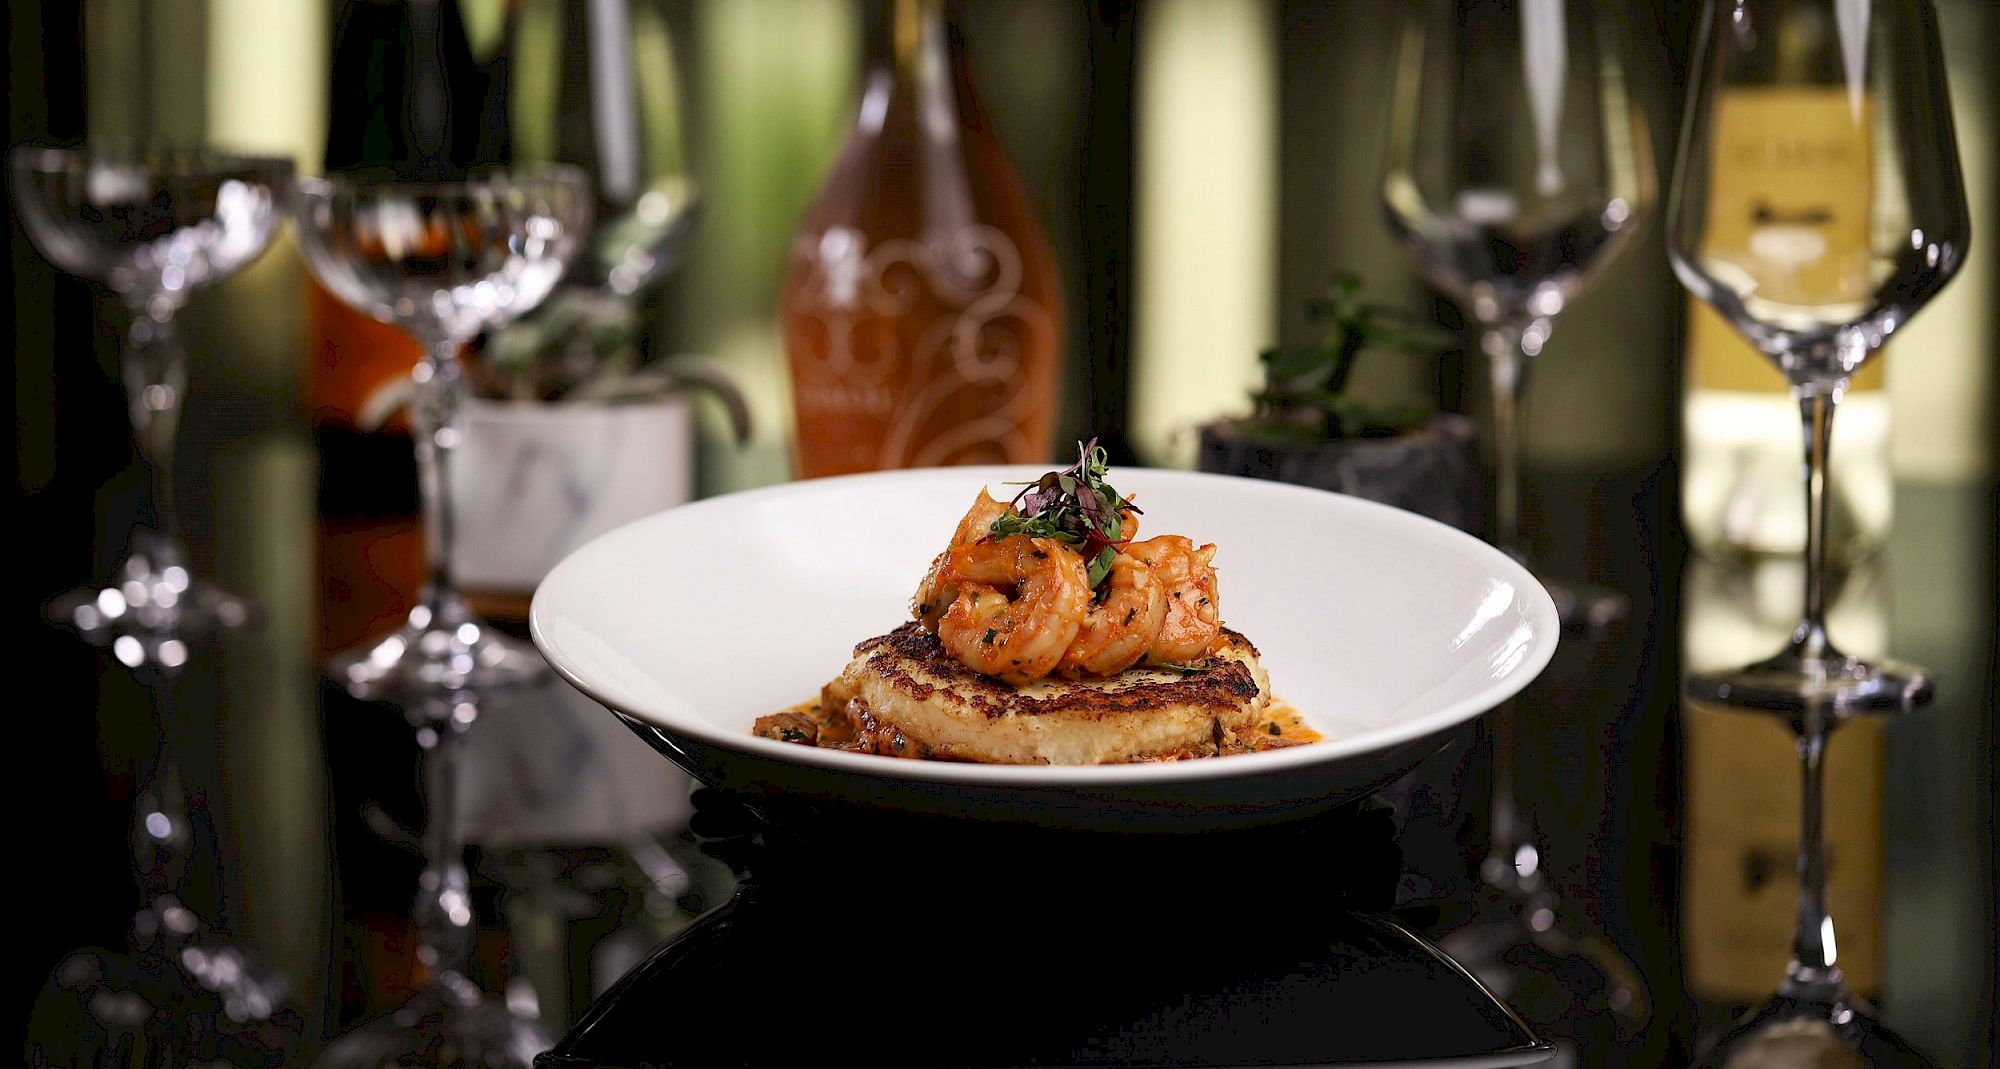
{"x":567,"y":434}
{"x":1306,"y":427}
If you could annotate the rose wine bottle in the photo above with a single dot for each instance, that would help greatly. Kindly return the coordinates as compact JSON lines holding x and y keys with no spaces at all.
{"x":921,"y":308}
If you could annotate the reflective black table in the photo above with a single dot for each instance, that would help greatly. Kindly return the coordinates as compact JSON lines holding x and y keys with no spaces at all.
{"x":859,"y":939}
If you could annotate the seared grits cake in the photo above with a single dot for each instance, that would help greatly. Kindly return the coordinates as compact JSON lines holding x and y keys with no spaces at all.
{"x":904,"y":695}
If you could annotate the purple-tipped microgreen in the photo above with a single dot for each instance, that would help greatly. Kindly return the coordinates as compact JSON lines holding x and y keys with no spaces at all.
{"x":1074,"y":506}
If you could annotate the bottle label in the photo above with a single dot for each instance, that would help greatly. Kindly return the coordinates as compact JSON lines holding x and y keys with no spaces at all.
{"x":1788,"y":205}
{"x":916,"y":352}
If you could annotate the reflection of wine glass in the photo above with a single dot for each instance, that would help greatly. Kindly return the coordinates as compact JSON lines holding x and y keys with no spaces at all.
{"x":155,"y":227}
{"x":443,"y":261}
{"x":449,"y":1022}
{"x":1869,"y":98}
{"x":1517,"y":168}
{"x":182,"y":993}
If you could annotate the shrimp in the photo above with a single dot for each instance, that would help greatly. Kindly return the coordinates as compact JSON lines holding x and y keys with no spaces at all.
{"x":1020,"y":602}
{"x":1193,"y":618}
{"x":1119,"y":628}
{"x":935,"y":595}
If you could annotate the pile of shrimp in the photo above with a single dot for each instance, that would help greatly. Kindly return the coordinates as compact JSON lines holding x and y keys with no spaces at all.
{"x":1021,"y":608}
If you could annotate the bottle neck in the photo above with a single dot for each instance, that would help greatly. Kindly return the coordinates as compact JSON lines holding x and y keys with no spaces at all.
{"x":909,"y":39}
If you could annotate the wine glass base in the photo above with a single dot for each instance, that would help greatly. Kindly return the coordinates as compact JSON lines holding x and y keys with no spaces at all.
{"x":1796,"y":683}
{"x":105,"y":1008}
{"x":443,"y":647}
{"x":446,"y":1026}
{"x":144,"y":599}
{"x":1517,"y":946}
{"x":1810,"y":1031}
{"x":1585,"y":606}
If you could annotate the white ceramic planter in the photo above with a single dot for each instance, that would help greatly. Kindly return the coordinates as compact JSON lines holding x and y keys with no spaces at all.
{"x":533,"y":481}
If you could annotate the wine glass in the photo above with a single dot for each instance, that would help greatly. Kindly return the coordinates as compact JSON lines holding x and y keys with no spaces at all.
{"x":155,"y":227}
{"x":444,"y":261}
{"x":449,"y":1023}
{"x":1820,"y":285}
{"x":1517,"y":168}
{"x":614,"y":109}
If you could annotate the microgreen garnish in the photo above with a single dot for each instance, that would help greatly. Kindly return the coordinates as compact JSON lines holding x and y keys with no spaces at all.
{"x":1074,"y":506}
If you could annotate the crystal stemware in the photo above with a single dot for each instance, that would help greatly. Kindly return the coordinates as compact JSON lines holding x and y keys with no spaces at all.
{"x":181,"y":992}
{"x":155,"y":227}
{"x":1861,"y":84}
{"x":443,"y":261}
{"x":449,"y":1023}
{"x":1517,"y":167}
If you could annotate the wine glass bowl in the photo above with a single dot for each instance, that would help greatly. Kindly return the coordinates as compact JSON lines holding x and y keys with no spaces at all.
{"x":444,"y":261}
{"x":155,"y":227}
{"x":150,"y":226}
{"x":1518,"y":166}
{"x":1820,"y":308}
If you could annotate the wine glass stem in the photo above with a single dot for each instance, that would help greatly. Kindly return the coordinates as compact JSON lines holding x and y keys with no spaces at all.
{"x":1509,"y":368}
{"x":1816,"y":407}
{"x":1812,"y":972}
{"x":440,"y":397}
{"x":161,"y":831}
{"x":1505,"y":836}
{"x":155,"y":371}
{"x":443,"y":910}
{"x":1507,"y":363}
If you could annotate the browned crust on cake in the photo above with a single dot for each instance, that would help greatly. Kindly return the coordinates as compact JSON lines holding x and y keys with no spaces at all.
{"x":1225,"y":685}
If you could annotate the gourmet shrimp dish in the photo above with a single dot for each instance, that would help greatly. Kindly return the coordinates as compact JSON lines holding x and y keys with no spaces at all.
{"x":1047,"y":632}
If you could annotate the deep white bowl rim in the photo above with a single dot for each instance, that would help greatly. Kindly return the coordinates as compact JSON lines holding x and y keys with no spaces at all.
{"x":1542,"y":608}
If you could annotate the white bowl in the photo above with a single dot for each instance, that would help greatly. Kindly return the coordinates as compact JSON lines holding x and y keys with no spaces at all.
{"x":1386,"y":629}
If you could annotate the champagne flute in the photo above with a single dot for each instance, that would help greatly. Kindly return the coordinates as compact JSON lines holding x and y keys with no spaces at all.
{"x":443,"y":260}
{"x":156,"y":227}
{"x":1517,"y":168}
{"x":1861,"y":84}
{"x":1818,"y":293}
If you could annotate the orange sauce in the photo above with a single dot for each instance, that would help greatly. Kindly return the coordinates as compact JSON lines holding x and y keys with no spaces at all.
{"x":1282,"y":725}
